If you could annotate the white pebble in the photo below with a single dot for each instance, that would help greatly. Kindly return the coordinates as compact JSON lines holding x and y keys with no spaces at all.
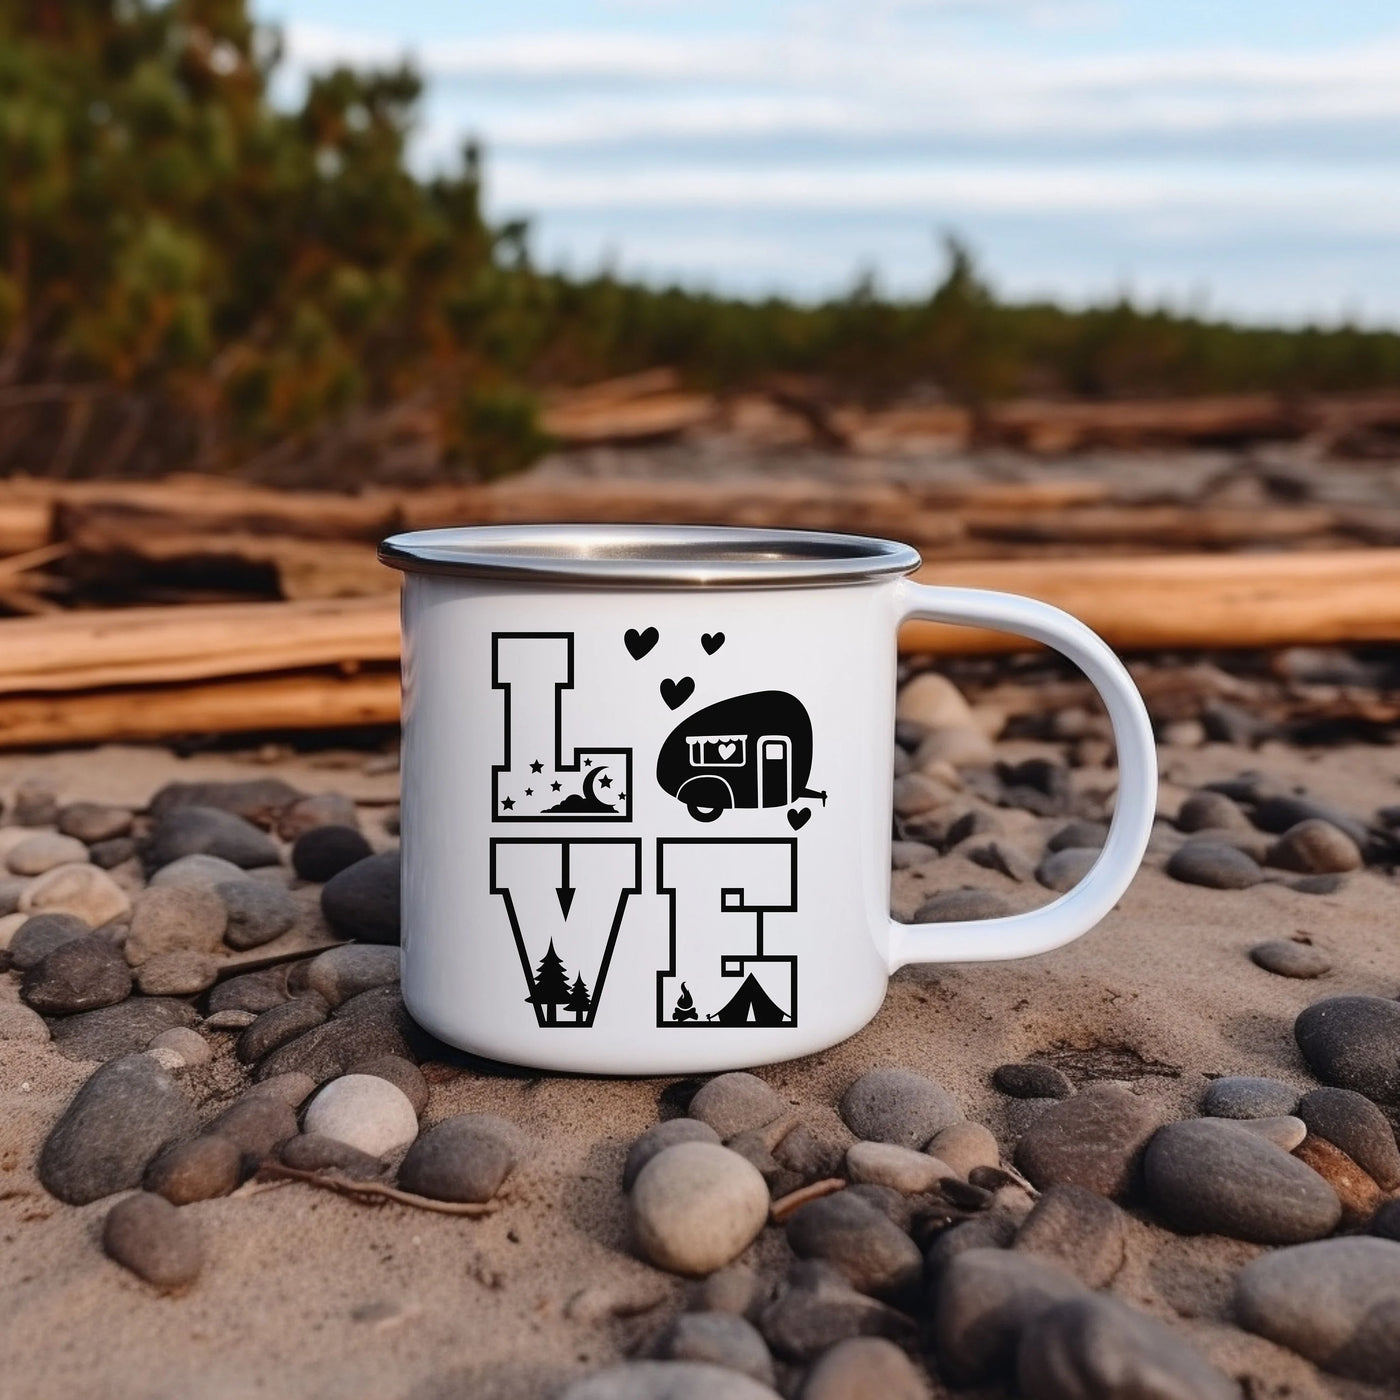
{"x":43,"y":851}
{"x":189,"y":1045}
{"x":363,"y":1111}
{"x":901,"y":1168}
{"x":167,"y":1058}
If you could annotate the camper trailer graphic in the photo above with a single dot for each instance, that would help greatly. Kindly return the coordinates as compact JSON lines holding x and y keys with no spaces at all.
{"x":747,"y":751}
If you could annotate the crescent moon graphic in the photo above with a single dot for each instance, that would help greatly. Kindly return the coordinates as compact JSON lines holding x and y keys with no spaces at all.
{"x":589,"y":780}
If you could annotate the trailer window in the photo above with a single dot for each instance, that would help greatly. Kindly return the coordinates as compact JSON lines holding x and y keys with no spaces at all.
{"x":717,"y":750}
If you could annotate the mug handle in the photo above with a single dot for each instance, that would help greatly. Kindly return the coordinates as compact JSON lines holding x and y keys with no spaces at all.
{"x":1077,"y":911}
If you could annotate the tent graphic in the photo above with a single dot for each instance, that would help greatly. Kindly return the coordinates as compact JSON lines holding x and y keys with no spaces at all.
{"x":751,"y":1006}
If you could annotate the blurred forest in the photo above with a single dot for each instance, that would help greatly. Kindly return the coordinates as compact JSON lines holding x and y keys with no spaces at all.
{"x":193,"y":278}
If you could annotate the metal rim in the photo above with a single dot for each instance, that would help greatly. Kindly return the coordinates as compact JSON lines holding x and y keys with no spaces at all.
{"x":649,"y":556}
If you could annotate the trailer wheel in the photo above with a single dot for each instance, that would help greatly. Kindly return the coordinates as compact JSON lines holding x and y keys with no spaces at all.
{"x":704,"y":814}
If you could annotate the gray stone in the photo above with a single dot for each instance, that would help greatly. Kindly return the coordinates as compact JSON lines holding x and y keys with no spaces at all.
{"x":733,"y":1289}
{"x":280,"y":1025}
{"x":11,"y":888}
{"x":1063,"y":870}
{"x":257,"y":912}
{"x":308,"y":1152}
{"x":974,"y":822}
{"x":1248,"y":1096}
{"x":1317,"y":884}
{"x":865,"y":1368}
{"x":252,"y":991}
{"x":1315,"y":847}
{"x":363,"y":1028}
{"x":1038,"y":785}
{"x":324,"y":851}
{"x":1094,"y":1140}
{"x":122,"y":1029}
{"x":900,"y":1168}
{"x":195,"y":1170}
{"x":1097,"y":1349}
{"x":257,"y":1124}
{"x":1336,"y":1302}
{"x":963,"y":1146}
{"x":198,"y":830}
{"x":107,"y":855}
{"x":851,"y":1235}
{"x":1078,"y":1229}
{"x":180,"y":972}
{"x":403,"y":1074}
{"x":719,"y":1338}
{"x":1211,"y":811}
{"x":155,"y":1240}
{"x":1078,"y":835}
{"x":905,"y":855}
{"x":734,"y":1103}
{"x":816,"y":1308}
{"x":43,"y":851}
{"x":35,"y":803}
{"x":362,"y":902}
{"x":1280,"y":813}
{"x":81,"y":974}
{"x":202,"y":872}
{"x":114,"y":1125}
{"x":916,"y":794}
{"x":658,"y":1138}
{"x":956,"y":906}
{"x":992,"y":1229}
{"x":257,"y":800}
{"x":18,"y":1022}
{"x":1353,"y":1042}
{"x":667,"y":1380}
{"x":84,"y":890}
{"x":92,"y":822}
{"x":464,"y":1158}
{"x":321,"y":809}
{"x":165,"y":919}
{"x":1210,"y":1176}
{"x":986,"y":1299}
{"x":1288,"y":958}
{"x":290,"y":1089}
{"x":1003,"y":858}
{"x":1214,"y":865}
{"x":365,"y":1112}
{"x":1283,"y":1131}
{"x":899,"y":1106}
{"x":1386,"y":1221}
{"x":230,"y":1020}
{"x":1031,"y":1080}
{"x":341,"y":973}
{"x":39,"y":935}
{"x":191,"y":1047}
{"x":1350,"y":1121}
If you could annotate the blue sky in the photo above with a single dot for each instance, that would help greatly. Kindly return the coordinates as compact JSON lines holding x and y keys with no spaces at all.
{"x":1236,"y":156}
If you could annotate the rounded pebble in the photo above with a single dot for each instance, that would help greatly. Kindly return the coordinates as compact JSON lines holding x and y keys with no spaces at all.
{"x":1353,"y":1123}
{"x":107,"y":855}
{"x":465,"y":1158}
{"x":280,"y":1025}
{"x":123,"y":1029}
{"x":290,"y":1089}
{"x":1358,"y":1192}
{"x":403,"y":1074}
{"x":860,"y":1240}
{"x":83,"y":890}
{"x":658,"y":1138}
{"x":191,"y":1047}
{"x":324,"y":851}
{"x":865,"y":1368}
{"x":258,"y":800}
{"x":78,"y":975}
{"x":956,"y":906}
{"x":196,"y":1170}
{"x":1030,"y":1080}
{"x":321,"y":809}
{"x":1063,"y":870}
{"x":734,"y":1103}
{"x":964,"y":1146}
{"x":309,"y":1152}
{"x":1283,"y":1131}
{"x":1094,"y":1140}
{"x":198,"y":871}
{"x":198,"y":830}
{"x":1315,"y":847}
{"x":668,"y":1380}
{"x":256,"y":911}
{"x":898,"y":1106}
{"x":155,"y":1240}
{"x":19,"y":1022}
{"x":362,"y":901}
{"x":719,"y":1338}
{"x":257,"y":1125}
{"x":1078,"y":1229}
{"x":1287,"y":958}
{"x":341,"y":973}
{"x":1078,"y":835}
{"x":1214,"y":865}
{"x":40,"y":934}
{"x":166,"y":919}
{"x":1353,"y":1042}
{"x":42,"y":852}
{"x":92,"y":822}
{"x":364,"y":1111}
{"x":900,"y":1168}
{"x":1211,"y":811}
{"x":1248,"y":1096}
{"x":178,"y":973}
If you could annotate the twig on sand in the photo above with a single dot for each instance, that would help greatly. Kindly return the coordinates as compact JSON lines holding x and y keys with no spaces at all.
{"x":374,"y":1192}
{"x":785,"y":1205}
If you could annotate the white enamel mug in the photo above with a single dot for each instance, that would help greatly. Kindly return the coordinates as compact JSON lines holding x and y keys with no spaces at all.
{"x":647,"y":784}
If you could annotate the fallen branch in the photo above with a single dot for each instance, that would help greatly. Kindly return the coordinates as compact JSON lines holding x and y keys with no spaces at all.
{"x":374,"y":1193}
{"x":784,"y":1206}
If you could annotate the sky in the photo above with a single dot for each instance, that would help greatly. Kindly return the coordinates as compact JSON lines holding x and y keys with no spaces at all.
{"x":1231,"y":157}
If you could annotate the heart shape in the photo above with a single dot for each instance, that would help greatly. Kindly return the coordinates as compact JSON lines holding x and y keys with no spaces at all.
{"x":712,"y":641}
{"x":726,"y":749}
{"x":799,"y":817}
{"x":676,"y":693}
{"x":639,"y":643}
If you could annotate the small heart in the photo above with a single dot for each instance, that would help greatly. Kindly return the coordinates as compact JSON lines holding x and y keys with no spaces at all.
{"x":639,"y":643}
{"x":712,"y":641}
{"x":676,"y":693}
{"x":727,"y":749}
{"x":799,"y":817}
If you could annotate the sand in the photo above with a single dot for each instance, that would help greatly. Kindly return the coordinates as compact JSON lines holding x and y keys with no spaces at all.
{"x":308,"y":1295}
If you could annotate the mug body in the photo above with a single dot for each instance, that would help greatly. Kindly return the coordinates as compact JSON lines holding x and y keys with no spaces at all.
{"x":645,"y":829}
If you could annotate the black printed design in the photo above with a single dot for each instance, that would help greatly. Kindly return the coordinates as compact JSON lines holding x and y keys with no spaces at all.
{"x":712,"y":641}
{"x":534,"y":782}
{"x":639,"y":643}
{"x":676,"y":693}
{"x":565,"y":901}
{"x":719,"y":893}
{"x":749,"y":751}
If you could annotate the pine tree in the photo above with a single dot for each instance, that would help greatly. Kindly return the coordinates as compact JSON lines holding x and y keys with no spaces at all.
{"x":551,"y":984}
{"x":579,"y":1001}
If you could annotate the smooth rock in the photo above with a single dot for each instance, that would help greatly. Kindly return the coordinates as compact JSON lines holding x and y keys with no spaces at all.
{"x":465,"y":1158}
{"x":667,"y":1380}
{"x":658,"y":1138}
{"x":816,"y":1308}
{"x":403,"y":1074}
{"x":917,"y":793}
{"x":279,"y":1026}
{"x":933,"y":701}
{"x":35,"y":803}
{"x":180,"y":972}
{"x":341,"y":973}
{"x":198,"y":872}
{"x":257,"y":912}
{"x":230,"y":1020}
{"x":10,"y":924}
{"x":1315,"y":847}
{"x":1353,"y":1042}
{"x":321,"y":809}
{"x":309,"y":1152}
{"x":900,"y":1168}
{"x":1031,"y":1080}
{"x":371,"y":1024}
{"x":733,"y":1289}
{"x":865,"y":1368}
{"x":1063,"y":870}
{"x":82,"y":890}
{"x":155,"y":1240}
{"x":363,"y":1111}
{"x":956,"y":906}
{"x":1211,"y":811}
{"x":1095,"y":1140}
{"x":1210,"y":1176}
{"x":362,"y":902}
{"x":964,"y":1146}
{"x":325,"y":851}
{"x":11,"y":887}
{"x":165,"y":919}
{"x":1078,"y":835}
{"x":719,"y":1338}
{"x":898,"y":1106}
{"x":40,"y":934}
{"x":1333,"y":1302}
{"x":257,"y":1125}
{"x":1287,"y":958}
{"x":991,"y":1229}
{"x":114,"y":1125}
{"x":290,"y":1089}
{"x":257,"y":800}
{"x":198,"y":830}
{"x":905,"y":855}
{"x":19,"y":1022}
{"x":251,"y":991}
{"x":92,"y":822}
{"x":107,"y":855}
{"x":43,"y":851}
{"x":986,"y":1299}
{"x":81,"y":974}
{"x":123,"y":1029}
{"x":734,"y":1103}
{"x":1386,"y":1221}
{"x":963,"y":746}
{"x":1038,"y":785}
{"x":1248,"y":1096}
{"x":1283,"y":1131}
{"x":696,"y":1207}
{"x":166,"y":1059}
{"x":1078,"y":1229}
{"x":191,"y":1047}
{"x":1095,"y":1348}
{"x":1353,"y":1123}
{"x":1214,"y":865}
{"x":1358,"y":1192}
{"x":195,"y":1170}
{"x":852,"y":1235}
{"x":1004,"y":858}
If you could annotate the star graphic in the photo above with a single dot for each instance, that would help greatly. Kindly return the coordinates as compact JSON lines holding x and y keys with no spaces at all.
{"x":536,"y":766}
{"x":529,"y":792}
{"x":588,"y":763}
{"x":554,"y":787}
{"x":604,"y":782}
{"x":622,"y":797}
{"x":508,"y":804}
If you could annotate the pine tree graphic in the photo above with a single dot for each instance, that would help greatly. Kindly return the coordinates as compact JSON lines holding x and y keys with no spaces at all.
{"x":579,"y":1001}
{"x":551,"y":985}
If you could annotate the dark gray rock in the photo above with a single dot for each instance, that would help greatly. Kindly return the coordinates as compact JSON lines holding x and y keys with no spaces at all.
{"x":12,"y":888}
{"x":955,"y":906}
{"x":865,"y":1368}
{"x":667,"y":1380}
{"x":1078,"y":835}
{"x":816,"y":1308}
{"x":92,"y":822}
{"x":1064,"y":869}
{"x":1214,"y":865}
{"x":371,"y":1024}
{"x":1094,"y":1140}
{"x":1029,"y":1080}
{"x":341,"y":973}
{"x":735,"y":1103}
{"x":107,"y":855}
{"x":1286,"y":958}
{"x":257,"y":800}
{"x":1212,"y":1176}
{"x":992,"y":1229}
{"x":1350,"y":1121}
{"x":39,"y":935}
{"x":1278,"y":813}
{"x":658,"y":1139}
{"x":802,"y":1152}
{"x":1386,"y":1221}
{"x":196,"y":872}
{"x":168,"y":918}
{"x":258,"y":912}
{"x":465,"y":1158}
{"x":1097,"y":1349}
{"x":35,"y":803}
{"x":362,"y":902}
{"x":156,"y":1241}
{"x":1336,"y":1302}
{"x":189,"y":831}
{"x":122,"y":1029}
{"x":252,"y":991}
{"x":126,"y":1113}
{"x":1003,"y":858}
{"x":195,"y":1170}
{"x":324,"y":851}
{"x":1038,"y":785}
{"x":290,"y":1089}
{"x":719,"y":1338}
{"x":1317,"y":884}
{"x":874,"y":1254}
{"x":310,"y":1152}
{"x":973,"y":822}
{"x":279,"y":1025}
{"x":1211,"y":811}
{"x":732,"y":1289}
{"x":1248,"y":1096}
{"x":81,"y":974}
{"x":1353,"y":1042}
{"x":1080,"y":1230}
{"x":180,"y":972}
{"x":403,"y":1074}
{"x":257,"y":1125}
{"x":899,"y":1106}
{"x":321,"y":809}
